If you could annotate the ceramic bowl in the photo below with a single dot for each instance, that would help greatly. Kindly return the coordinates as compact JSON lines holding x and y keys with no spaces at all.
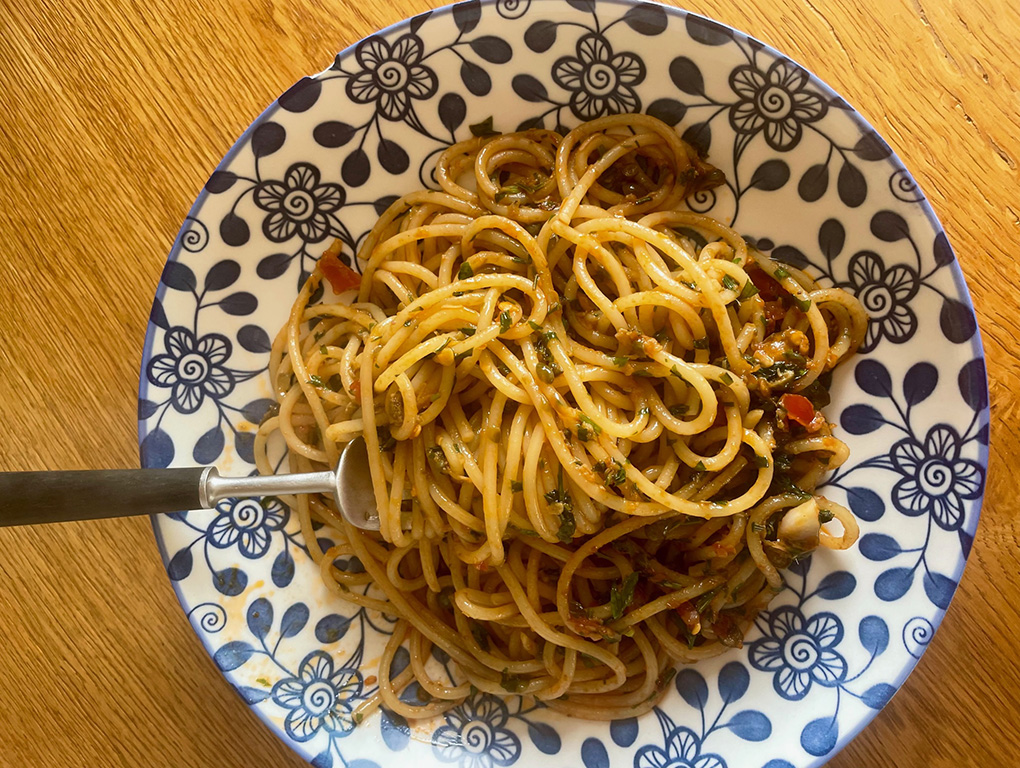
{"x":809,"y":181}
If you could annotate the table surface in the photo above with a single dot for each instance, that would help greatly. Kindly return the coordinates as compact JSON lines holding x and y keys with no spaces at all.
{"x":112,"y":115}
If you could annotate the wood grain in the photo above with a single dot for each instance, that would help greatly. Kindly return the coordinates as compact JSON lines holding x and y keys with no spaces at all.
{"x":114,"y":112}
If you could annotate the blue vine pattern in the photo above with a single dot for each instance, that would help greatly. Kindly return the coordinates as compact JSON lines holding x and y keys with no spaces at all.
{"x":801,"y":649}
{"x":683,"y":746}
{"x":934,"y":480}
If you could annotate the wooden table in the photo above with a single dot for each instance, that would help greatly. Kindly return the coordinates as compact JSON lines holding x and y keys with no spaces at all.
{"x":113,"y":113}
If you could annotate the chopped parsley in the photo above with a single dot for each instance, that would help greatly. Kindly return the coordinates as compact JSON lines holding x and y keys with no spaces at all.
{"x":621,"y":597}
{"x":465,"y":271}
{"x":437,"y":458}
{"x":511,"y":682}
{"x":484,"y":128}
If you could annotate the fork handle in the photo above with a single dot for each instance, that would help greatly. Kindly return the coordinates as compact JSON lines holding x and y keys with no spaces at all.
{"x":31,"y":498}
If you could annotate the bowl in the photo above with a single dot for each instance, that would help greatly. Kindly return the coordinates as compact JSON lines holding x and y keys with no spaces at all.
{"x":808,"y":181}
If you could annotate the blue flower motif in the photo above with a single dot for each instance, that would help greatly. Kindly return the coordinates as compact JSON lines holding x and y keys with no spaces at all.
{"x":193,"y":367}
{"x":775,"y":100}
{"x":299,"y":204}
{"x":600,"y":81}
{"x":320,"y":697}
{"x":391,"y":75}
{"x":800,"y":651}
{"x":248,"y":523}
{"x":885,"y":294}
{"x":682,"y":750}
{"x":935,"y":479}
{"x":476,"y":736}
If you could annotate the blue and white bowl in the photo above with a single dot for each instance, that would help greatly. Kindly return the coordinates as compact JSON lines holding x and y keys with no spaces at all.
{"x":808,"y":180}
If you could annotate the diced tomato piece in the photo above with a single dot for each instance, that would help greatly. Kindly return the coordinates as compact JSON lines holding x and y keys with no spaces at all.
{"x":340,"y":276}
{"x":767,"y":286}
{"x":798,"y":408}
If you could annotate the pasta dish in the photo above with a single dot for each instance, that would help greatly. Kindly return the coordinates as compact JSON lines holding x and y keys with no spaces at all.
{"x":593,"y":420}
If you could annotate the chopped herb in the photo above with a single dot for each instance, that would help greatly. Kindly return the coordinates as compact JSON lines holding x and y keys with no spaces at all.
{"x":546,"y":373}
{"x":781,"y":483}
{"x":780,"y":273}
{"x":594,"y":427}
{"x":468,"y":331}
{"x":729,"y":283}
{"x":643,"y":200}
{"x":599,"y":466}
{"x":516,"y":486}
{"x":322,"y":350}
{"x":567,"y":434}
{"x":664,"y":679}
{"x":511,"y":682}
{"x":761,"y":461}
{"x":706,"y":598}
{"x":504,"y":321}
{"x":437,"y":458}
{"x":461,"y":355}
{"x":444,"y":345}
{"x":483,"y":128}
{"x":675,"y":372}
{"x":567,"y":526}
{"x":749,"y":290}
{"x":458,"y":294}
{"x":802,"y":304}
{"x":701,"y":343}
{"x":726,"y":379}
{"x":825,"y":515}
{"x":619,"y":361}
{"x":534,"y":326}
{"x":583,"y":434}
{"x":315,"y":381}
{"x":679,"y":409}
{"x":465,"y":271}
{"x":386,"y":441}
{"x":699,"y":467}
{"x":480,"y":635}
{"x":445,"y":597}
{"x":616,"y":475}
{"x":757,"y":527}
{"x":548,"y":335}
{"x":620,"y":598}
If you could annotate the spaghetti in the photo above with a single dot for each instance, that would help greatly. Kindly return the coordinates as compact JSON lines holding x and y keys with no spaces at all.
{"x":593,"y":420}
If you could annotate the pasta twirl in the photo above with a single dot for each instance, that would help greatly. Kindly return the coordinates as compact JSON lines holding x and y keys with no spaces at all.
{"x":593,"y":420}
